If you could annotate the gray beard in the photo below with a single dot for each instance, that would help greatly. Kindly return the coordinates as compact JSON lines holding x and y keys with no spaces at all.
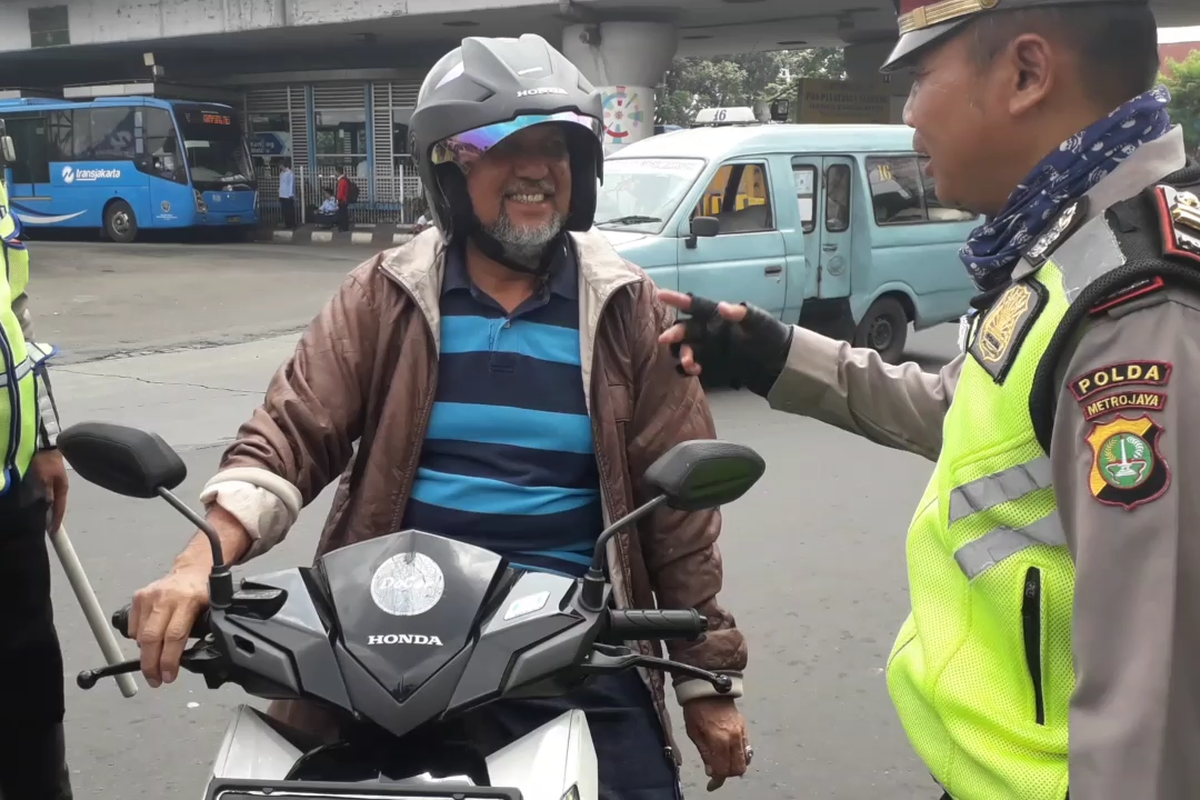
{"x":525,"y":245}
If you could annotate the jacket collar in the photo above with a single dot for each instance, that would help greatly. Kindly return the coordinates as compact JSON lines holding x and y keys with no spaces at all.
{"x":419,"y":267}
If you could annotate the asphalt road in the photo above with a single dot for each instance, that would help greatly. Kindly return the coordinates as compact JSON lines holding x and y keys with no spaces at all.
{"x":814,"y":555}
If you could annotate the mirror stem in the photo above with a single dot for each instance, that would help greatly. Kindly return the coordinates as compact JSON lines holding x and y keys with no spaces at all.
{"x":220,"y":579}
{"x":592,"y":596}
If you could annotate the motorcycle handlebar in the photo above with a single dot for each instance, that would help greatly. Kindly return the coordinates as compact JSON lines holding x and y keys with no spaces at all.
{"x":120,"y":621}
{"x":634,"y":624}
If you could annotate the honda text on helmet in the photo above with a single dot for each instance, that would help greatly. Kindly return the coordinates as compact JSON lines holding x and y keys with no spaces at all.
{"x":506,"y":137}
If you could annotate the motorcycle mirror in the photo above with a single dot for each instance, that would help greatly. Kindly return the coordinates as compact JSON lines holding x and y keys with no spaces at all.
{"x":705,"y":473}
{"x":125,"y":461}
{"x":137,"y":463}
{"x":692,"y":476}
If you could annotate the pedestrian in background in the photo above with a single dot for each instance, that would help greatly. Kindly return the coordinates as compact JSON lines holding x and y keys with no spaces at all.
{"x":287,"y":193}
{"x":343,"y":200}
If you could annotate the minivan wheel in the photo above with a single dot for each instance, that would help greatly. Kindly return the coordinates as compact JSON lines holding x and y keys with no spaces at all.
{"x":884,"y":329}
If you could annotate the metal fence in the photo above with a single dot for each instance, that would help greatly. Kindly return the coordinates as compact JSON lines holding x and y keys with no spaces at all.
{"x":395,"y":197}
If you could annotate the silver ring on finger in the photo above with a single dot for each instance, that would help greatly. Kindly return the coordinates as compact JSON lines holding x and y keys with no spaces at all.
{"x":749,"y":754}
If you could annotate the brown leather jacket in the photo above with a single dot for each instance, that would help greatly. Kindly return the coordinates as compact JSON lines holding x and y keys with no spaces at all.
{"x":365,"y":371}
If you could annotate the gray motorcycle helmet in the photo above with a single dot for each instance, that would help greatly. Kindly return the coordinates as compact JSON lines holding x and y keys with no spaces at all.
{"x":479,"y":94}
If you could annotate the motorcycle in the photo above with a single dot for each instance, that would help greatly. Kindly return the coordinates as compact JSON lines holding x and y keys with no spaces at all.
{"x":403,"y":634}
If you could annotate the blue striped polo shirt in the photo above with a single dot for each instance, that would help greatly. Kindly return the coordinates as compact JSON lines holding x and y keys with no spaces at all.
{"x":508,"y":462}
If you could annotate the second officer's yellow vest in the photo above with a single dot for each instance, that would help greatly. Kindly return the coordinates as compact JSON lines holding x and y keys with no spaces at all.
{"x":18,"y":389}
{"x":981,"y":673}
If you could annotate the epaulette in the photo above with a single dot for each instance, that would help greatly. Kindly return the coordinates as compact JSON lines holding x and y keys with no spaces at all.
{"x":1177,"y":214}
{"x":1179,"y":222}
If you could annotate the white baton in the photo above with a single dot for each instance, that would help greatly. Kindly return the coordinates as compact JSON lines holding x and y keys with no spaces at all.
{"x":101,"y":627}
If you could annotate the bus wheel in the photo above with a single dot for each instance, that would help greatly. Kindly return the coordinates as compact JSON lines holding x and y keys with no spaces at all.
{"x":120,"y":223}
{"x":884,"y":329}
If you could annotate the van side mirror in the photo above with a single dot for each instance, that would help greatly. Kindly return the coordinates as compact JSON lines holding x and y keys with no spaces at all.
{"x":703,"y":226}
{"x":8,"y":153}
{"x":706,"y":226}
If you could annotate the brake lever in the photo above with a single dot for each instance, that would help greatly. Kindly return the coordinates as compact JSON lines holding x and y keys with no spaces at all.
{"x":89,"y":677}
{"x":193,"y":660}
{"x":613,"y":658}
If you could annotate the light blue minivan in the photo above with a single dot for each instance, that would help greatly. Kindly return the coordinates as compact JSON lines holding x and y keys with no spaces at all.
{"x":834,"y":227}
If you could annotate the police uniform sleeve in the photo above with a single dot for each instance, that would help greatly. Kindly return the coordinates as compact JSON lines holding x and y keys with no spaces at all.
{"x":901,"y":406}
{"x":1126,"y":458}
{"x":48,"y":421}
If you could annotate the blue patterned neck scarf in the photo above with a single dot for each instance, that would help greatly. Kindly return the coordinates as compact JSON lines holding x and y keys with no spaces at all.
{"x":1065,"y":175}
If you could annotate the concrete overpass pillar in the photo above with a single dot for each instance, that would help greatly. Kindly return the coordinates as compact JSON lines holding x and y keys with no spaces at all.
{"x":862,"y":66}
{"x":625,"y":60}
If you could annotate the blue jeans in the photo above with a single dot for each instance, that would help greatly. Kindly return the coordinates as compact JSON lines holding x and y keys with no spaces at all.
{"x":631,"y":750}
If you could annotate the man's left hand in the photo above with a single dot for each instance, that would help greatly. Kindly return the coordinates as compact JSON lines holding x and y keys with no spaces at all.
{"x":718,"y":730}
{"x":49,"y":469}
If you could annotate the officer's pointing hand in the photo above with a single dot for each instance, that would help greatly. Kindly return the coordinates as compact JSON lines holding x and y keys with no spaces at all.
{"x":676,"y":334}
{"x":741,"y":344}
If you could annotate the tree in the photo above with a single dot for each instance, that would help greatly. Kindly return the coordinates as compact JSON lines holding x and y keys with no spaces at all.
{"x":740,"y":80}
{"x":1184,"y":83}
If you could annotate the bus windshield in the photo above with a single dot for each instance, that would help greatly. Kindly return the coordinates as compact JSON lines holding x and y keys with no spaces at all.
{"x":216,"y":147}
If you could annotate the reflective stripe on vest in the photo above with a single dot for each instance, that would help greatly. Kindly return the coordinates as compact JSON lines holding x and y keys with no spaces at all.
{"x":990,"y":491}
{"x":18,"y":387}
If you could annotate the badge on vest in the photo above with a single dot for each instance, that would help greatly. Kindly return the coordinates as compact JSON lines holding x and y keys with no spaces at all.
{"x":1127,"y":468}
{"x":1179,"y":219}
{"x":1004,"y":326}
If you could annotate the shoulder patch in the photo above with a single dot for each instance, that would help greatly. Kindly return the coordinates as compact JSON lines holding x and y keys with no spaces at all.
{"x":1128,"y":469}
{"x":1063,"y":226}
{"x":1003,"y":327}
{"x":1120,"y":375}
{"x":1129,"y":400}
{"x":1179,"y":220}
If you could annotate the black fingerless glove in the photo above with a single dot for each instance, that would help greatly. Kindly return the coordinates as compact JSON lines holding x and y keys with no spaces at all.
{"x":750,"y":353}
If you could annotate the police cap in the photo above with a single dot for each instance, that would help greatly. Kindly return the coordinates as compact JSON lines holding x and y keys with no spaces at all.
{"x":923,"y":22}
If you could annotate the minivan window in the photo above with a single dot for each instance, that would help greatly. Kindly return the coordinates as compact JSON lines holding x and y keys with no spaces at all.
{"x":643,"y":193}
{"x":739,"y":197}
{"x":901,"y":193}
{"x":837,"y":198}
{"x":805,"y":178}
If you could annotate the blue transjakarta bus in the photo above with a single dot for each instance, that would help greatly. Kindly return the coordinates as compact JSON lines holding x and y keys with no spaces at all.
{"x":122,"y":164}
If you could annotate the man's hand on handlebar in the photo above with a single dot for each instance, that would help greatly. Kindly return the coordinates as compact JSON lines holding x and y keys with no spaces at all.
{"x":162,"y":617}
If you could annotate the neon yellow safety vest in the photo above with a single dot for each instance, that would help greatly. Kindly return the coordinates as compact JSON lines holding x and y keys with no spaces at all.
{"x":18,"y":389}
{"x":982,"y":672}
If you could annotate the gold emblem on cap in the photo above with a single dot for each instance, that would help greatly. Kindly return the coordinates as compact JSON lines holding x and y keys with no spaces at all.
{"x":942,"y":11}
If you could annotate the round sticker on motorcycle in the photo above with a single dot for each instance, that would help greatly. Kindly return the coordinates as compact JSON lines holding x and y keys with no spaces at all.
{"x":407,"y":585}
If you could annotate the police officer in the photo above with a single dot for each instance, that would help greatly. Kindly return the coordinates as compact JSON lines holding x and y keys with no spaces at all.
{"x":33,"y":495}
{"x":1054,"y":561}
